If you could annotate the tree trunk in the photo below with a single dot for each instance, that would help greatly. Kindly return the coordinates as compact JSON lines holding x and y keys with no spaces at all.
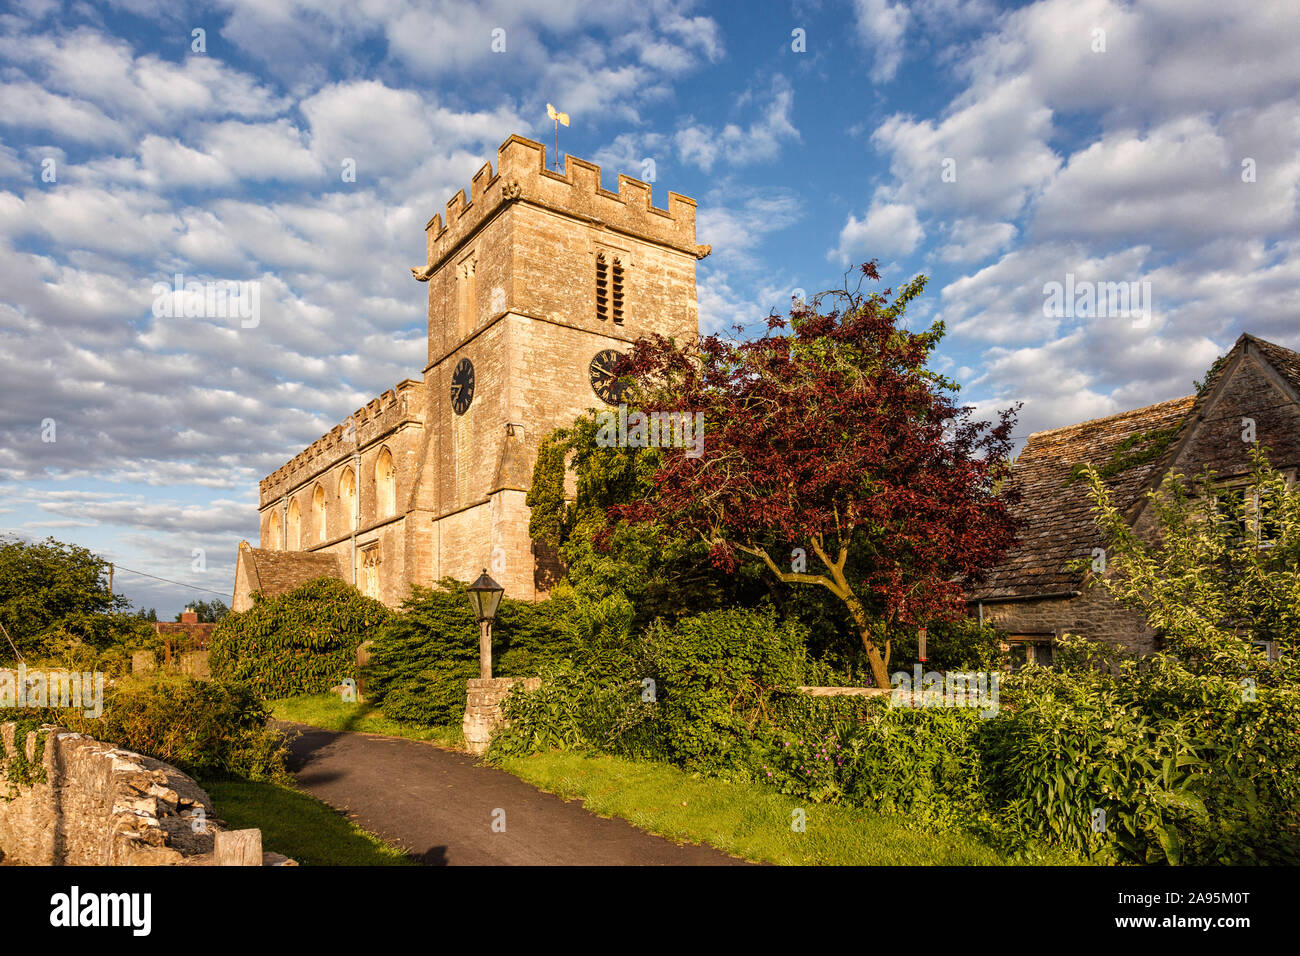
{"x":879,"y":666}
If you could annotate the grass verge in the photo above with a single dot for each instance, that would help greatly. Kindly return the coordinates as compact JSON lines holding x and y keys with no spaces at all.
{"x":300,"y":826}
{"x":751,"y":821}
{"x":331,"y":712}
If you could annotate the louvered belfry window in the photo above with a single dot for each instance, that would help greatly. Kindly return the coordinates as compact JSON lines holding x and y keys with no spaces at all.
{"x":618,"y":290}
{"x":602,"y":287}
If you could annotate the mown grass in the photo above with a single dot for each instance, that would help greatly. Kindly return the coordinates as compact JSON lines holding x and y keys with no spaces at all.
{"x":331,"y":712}
{"x":300,"y":826}
{"x":751,"y":821}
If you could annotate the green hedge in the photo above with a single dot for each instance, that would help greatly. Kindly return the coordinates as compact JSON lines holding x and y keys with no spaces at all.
{"x":302,"y":642}
{"x":208,"y":729}
{"x":1140,"y":761}
{"x":421,"y":657}
{"x":717,"y":677}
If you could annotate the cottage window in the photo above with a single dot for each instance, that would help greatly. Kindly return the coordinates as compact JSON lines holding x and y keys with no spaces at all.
{"x":1029,"y":648}
{"x":1247,"y":515}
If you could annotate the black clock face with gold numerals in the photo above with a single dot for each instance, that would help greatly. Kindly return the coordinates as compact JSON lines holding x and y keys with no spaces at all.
{"x":462,"y":386}
{"x":603,"y":383}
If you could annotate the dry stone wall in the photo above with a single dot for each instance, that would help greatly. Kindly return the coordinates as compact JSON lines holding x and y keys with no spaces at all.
{"x":87,"y":803}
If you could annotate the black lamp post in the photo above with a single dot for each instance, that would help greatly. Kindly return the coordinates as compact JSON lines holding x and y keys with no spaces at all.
{"x":485,"y":597}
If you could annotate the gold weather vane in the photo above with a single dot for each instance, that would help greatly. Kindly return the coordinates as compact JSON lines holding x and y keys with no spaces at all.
{"x":560,"y":118}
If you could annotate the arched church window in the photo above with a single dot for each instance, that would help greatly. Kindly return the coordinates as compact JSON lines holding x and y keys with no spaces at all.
{"x":295,"y":526}
{"x":318,"y":512}
{"x":385,"y":484}
{"x":275,"y":532}
{"x":348,"y":498}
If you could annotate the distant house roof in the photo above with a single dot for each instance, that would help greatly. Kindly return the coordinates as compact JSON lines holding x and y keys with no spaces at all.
{"x":279,"y":572}
{"x":1132,"y":451}
{"x":183,"y":629}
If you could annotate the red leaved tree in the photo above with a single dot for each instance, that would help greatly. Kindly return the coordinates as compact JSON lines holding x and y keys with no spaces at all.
{"x":832,"y":435}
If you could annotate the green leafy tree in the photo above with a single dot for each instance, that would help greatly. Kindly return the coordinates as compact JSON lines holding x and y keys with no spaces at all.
{"x":302,"y":642}
{"x":660,"y":574}
{"x":54,"y":594}
{"x":1221,"y":571}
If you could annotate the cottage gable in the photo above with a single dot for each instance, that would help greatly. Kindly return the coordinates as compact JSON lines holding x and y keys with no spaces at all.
{"x":1252,"y":396}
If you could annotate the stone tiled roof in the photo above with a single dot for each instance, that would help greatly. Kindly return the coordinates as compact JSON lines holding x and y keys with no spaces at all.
{"x":1131,"y":450}
{"x":278,"y":572}
{"x":1284,"y":360}
{"x":1055,"y":508}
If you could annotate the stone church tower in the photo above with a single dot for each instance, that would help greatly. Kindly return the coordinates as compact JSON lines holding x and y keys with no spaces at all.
{"x":532,"y":281}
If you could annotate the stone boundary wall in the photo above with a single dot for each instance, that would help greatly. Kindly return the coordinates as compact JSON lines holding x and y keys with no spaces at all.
{"x":483,"y":707}
{"x":99,"y":805}
{"x":846,"y":691}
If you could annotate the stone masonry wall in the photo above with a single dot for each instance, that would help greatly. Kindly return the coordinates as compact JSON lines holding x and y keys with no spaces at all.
{"x":99,"y":805}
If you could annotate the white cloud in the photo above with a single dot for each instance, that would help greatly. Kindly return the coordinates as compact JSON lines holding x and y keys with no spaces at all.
{"x":974,"y":240}
{"x":881,"y":26}
{"x":738,"y":145}
{"x":888,"y":229}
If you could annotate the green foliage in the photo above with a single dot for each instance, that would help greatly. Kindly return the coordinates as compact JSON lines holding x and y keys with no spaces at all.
{"x":302,"y":642}
{"x":1202,"y":384}
{"x":717,"y":675}
{"x":1187,"y":767}
{"x":660,"y":575}
{"x":1135,"y":450}
{"x":421,"y":658}
{"x":53,"y":595}
{"x":208,"y":729}
{"x":579,"y":708}
{"x":17,"y":769}
{"x":1224,"y":569}
{"x":922,"y":762}
{"x":960,"y":645}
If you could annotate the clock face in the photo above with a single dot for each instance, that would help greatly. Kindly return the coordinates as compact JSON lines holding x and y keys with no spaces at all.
{"x":603,"y":383}
{"x":462,"y":386}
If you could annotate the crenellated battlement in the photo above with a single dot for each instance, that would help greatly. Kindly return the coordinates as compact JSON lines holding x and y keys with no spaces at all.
{"x":522,"y":176}
{"x":379,"y":416}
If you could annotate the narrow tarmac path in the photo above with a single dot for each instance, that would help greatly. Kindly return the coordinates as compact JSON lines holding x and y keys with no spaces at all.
{"x":440,"y":805}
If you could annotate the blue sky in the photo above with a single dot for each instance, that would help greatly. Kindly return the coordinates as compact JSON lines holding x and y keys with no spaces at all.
{"x":997,"y":148}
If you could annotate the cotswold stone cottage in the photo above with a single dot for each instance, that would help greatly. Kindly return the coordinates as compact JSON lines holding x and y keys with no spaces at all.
{"x":536,"y":283}
{"x":1032,"y":595}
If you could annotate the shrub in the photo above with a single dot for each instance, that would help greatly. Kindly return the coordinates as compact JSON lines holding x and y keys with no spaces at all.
{"x":208,"y":729}
{"x":717,"y":674}
{"x":421,"y":658}
{"x":1185,"y":766}
{"x":577,"y":708}
{"x":923,"y":762}
{"x":302,"y":642}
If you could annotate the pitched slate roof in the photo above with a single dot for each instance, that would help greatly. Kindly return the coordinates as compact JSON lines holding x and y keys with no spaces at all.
{"x":278,"y":572}
{"x":1284,"y":360}
{"x":1132,"y":451}
{"x":1055,"y":508}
